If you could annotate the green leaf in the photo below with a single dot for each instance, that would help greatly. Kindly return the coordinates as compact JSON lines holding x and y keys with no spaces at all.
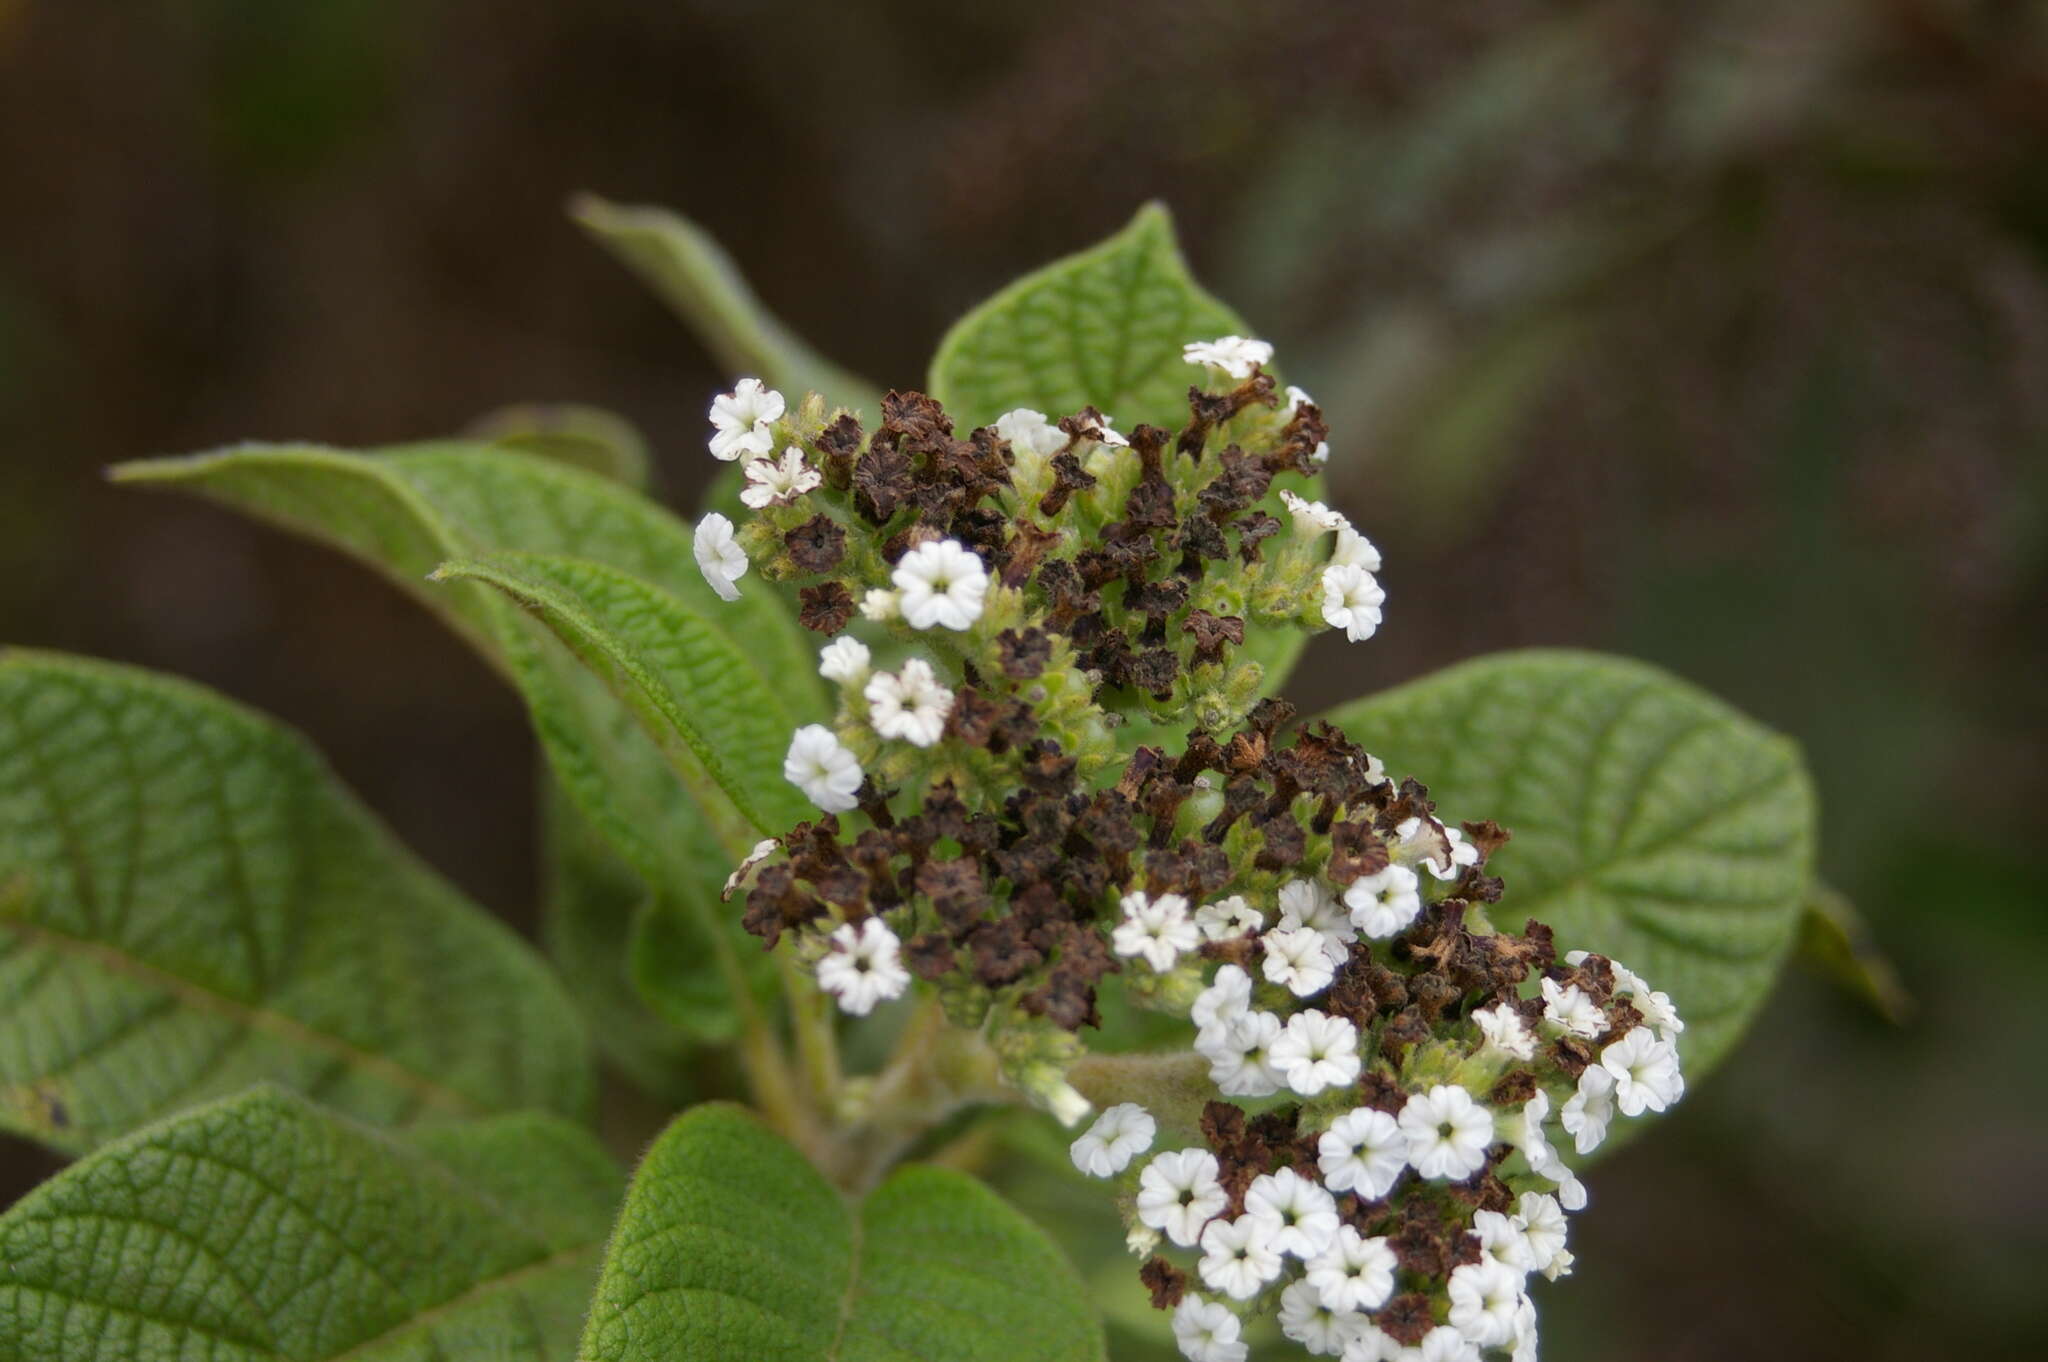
{"x":1102,"y":328}
{"x":406,"y":511}
{"x":582,"y":437}
{"x":192,"y":904}
{"x":732,"y":1246}
{"x":263,"y":1228}
{"x":693,"y":274}
{"x":1837,"y":943}
{"x":1651,"y":822}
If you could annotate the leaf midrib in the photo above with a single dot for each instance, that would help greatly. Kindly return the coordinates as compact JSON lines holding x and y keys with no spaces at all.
{"x":506,"y":1281}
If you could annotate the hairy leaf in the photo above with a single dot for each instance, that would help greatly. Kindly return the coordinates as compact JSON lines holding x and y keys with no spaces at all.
{"x":582,"y":437}
{"x":189,"y":903}
{"x":693,"y":274}
{"x":1651,"y":822}
{"x":732,"y":1246}
{"x":261,"y":1227}
{"x":1104,"y":327}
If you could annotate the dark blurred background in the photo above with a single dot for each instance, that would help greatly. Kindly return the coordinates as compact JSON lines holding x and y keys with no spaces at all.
{"x":1713,"y":333}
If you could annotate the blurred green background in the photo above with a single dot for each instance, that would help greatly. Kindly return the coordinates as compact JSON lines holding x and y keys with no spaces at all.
{"x":1712,"y":333}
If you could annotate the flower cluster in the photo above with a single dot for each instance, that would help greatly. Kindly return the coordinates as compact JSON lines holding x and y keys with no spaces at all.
{"x":1053,"y":763}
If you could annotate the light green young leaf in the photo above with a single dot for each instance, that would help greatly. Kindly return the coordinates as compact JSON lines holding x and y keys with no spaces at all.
{"x":1836,"y":942}
{"x":189,"y":904}
{"x":732,"y":1246}
{"x":1102,"y":328}
{"x":261,"y":1228}
{"x":1651,"y":822}
{"x":693,"y":274}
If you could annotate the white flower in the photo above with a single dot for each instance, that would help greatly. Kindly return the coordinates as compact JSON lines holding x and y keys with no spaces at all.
{"x":911,"y":704}
{"x":1316,"y":1052}
{"x":1587,"y":1112}
{"x":1500,"y":1239}
{"x":1300,"y":1217}
{"x":722,"y":561}
{"x":1295,"y":957}
{"x":1312,"y":518}
{"x":1543,"y":1229}
{"x":1571,"y":1194}
{"x":1120,"y":1134}
{"x":1484,"y":1297}
{"x":1504,"y":1031}
{"x":1065,"y":1103}
{"x":1529,"y":1137}
{"x":741,"y":418}
{"x":1305,"y":903}
{"x":1142,"y":1241}
{"x":1238,"y":1256}
{"x":1321,"y":453}
{"x":1382,"y":904}
{"x":1447,"y":1133}
{"x":1354,"y":550}
{"x":825,"y":771}
{"x":1569,"y":1009}
{"x":1030,"y":433}
{"x":1352,"y":601}
{"x":1525,"y":1331}
{"x":1656,"y":1008}
{"x":942,"y":585}
{"x":1221,"y":1004}
{"x":844,"y":660}
{"x":1441,"y":1344}
{"x":1375,"y":771}
{"x":1296,"y":399}
{"x":1207,"y":1331}
{"x":763,"y":849}
{"x":879,"y":605}
{"x":1363,"y":1151}
{"x":1353,"y":1272}
{"x":1443,"y":848}
{"x":1314,"y":1325}
{"x":1158,"y":929}
{"x":1228,"y":917}
{"x":778,"y":480}
{"x":1240,"y":1062}
{"x":862,"y":969}
{"x":1645,"y":1070}
{"x":1234,"y":355}
{"x":1178,"y":1192}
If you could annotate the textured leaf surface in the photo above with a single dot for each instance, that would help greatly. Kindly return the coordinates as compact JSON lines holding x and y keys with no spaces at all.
{"x":1651,"y":822}
{"x":263,"y":1228}
{"x":732,"y":1246}
{"x":189,"y":904}
{"x":406,"y":511}
{"x":693,"y":274}
{"x":1104,"y":327}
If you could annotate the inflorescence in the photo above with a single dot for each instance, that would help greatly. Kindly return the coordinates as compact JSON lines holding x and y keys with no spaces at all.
{"x":1009,"y":812}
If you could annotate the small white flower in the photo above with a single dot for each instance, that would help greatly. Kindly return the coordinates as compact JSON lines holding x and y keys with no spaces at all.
{"x":1524,"y":1341}
{"x":1207,"y":1331}
{"x":1240,"y":1062}
{"x":1321,"y":453}
{"x":1382,"y":904}
{"x":1300,"y":1217}
{"x":1442,"y":849}
{"x":822,"y":768}
{"x":763,"y":849}
{"x":863,"y":968}
{"x":1656,"y":1007}
{"x":1353,"y":1272}
{"x":1314,"y":1325}
{"x":1587,"y":1112}
{"x":1238,"y":1256}
{"x":911,"y":704}
{"x":1441,"y":1344}
{"x":721,"y":560}
{"x":1234,"y":355}
{"x":1141,"y":1240}
{"x":1447,"y":1133}
{"x":1645,"y":1070}
{"x":741,"y":419}
{"x":1120,"y":1134}
{"x":1569,"y":1009}
{"x":1528,"y":1136}
{"x":1295,"y":957}
{"x":1305,"y":903}
{"x":1296,"y":399}
{"x":1312,"y":518}
{"x":1363,"y":1151}
{"x":1066,"y":1104}
{"x":1352,"y":601}
{"x":844,"y":660}
{"x":1227,"y":918}
{"x":772,"y":481}
{"x":1220,"y":1005}
{"x":1571,"y":1194}
{"x":1375,"y":771}
{"x":942,"y":585}
{"x":1029,"y":433}
{"x":1484,"y":1297}
{"x":1316,"y":1052}
{"x":1543,"y":1229}
{"x":1178,"y":1192}
{"x":1354,"y":550}
{"x":1504,"y":1031}
{"x":1501,"y":1239}
{"x":1158,"y":929}
{"x":879,"y":605}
